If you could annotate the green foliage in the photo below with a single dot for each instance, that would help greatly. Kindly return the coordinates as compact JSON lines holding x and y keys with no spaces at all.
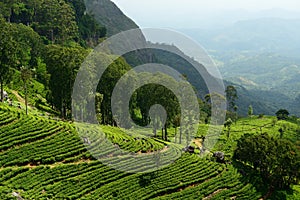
{"x":109,"y":15}
{"x":152,"y":94}
{"x":89,"y":29}
{"x":26,"y":75}
{"x":8,"y":52}
{"x":250,"y":111}
{"x":21,"y":49}
{"x":62,"y":65}
{"x":44,"y":145}
{"x":277,"y":160}
{"x":261,"y":115}
{"x":29,"y":45}
{"x":38,"y":132}
{"x":282,"y":114}
{"x":98,"y":100}
{"x":45,"y":159}
{"x":228,"y":124}
{"x":56,"y":21}
{"x":107,"y":83}
{"x":231,"y":96}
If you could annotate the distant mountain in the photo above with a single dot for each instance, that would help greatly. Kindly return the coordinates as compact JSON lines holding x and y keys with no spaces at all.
{"x":258,"y":35}
{"x":264,"y":71}
{"x":262,"y":55}
{"x":270,"y":77}
{"x":109,"y":15}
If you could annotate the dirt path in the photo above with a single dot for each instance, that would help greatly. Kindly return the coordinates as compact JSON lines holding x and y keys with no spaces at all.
{"x":214,"y":193}
{"x":20,"y":99}
{"x":198,"y":143}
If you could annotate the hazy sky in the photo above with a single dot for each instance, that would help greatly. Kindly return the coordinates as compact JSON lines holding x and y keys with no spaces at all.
{"x":179,"y":13}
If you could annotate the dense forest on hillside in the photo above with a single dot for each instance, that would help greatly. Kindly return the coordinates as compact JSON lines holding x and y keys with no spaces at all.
{"x":44,"y":50}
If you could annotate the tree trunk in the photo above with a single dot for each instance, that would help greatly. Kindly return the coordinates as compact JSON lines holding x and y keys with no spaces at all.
{"x":269,"y":193}
{"x":2,"y":99}
{"x":175,"y":133}
{"x":154,"y":131}
{"x":162,"y":133}
{"x":166,"y":133}
{"x":62,"y":109}
{"x":26,"y":100}
{"x":180,"y":135}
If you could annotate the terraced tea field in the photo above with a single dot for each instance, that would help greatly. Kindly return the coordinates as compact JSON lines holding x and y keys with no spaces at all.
{"x":46,"y":159}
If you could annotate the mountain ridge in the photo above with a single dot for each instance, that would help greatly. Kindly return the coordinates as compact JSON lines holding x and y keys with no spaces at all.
{"x":107,"y":13}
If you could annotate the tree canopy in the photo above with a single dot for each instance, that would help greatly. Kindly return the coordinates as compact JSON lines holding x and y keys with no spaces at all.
{"x":231,"y":96}
{"x":282,"y":114}
{"x":277,"y":160}
{"x":63,"y":64}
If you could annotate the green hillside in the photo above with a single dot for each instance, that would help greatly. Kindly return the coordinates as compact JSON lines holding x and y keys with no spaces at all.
{"x":108,"y":14}
{"x":42,"y":158}
{"x":48,"y":152}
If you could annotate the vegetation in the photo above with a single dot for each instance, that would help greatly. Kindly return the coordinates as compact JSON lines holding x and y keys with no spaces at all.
{"x":63,"y":168}
{"x":42,"y":156}
{"x":282,"y":114}
{"x":277,"y":160}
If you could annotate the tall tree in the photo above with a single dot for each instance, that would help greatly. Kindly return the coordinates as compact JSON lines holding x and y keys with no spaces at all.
{"x":250,"y":111}
{"x":228,"y":124}
{"x":8,"y":52}
{"x":62,"y":65}
{"x":30,"y":46}
{"x":107,"y":84}
{"x":26,"y":75}
{"x":231,"y":96}
{"x":55,"y":19}
{"x":152,"y":94}
{"x":29,"y":49}
{"x":19,"y":46}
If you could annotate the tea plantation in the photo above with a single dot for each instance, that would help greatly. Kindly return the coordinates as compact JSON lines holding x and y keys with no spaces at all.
{"x":43,"y":158}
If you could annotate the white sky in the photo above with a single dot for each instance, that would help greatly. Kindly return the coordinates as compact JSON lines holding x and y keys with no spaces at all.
{"x":166,"y":12}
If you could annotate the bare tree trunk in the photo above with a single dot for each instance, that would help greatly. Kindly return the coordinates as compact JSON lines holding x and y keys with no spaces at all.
{"x":26,"y":99}
{"x":2,"y":99}
{"x":62,"y":109}
{"x":154,"y":131}
{"x":175,"y":134}
{"x":180,"y":135}
{"x":166,"y":132}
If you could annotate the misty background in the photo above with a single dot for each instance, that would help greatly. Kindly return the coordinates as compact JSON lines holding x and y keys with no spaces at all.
{"x":255,"y":44}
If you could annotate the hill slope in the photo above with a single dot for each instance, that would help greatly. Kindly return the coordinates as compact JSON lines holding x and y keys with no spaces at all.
{"x":48,"y":160}
{"x":109,"y":15}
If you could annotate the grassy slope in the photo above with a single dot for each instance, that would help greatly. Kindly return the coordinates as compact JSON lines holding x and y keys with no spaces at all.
{"x":42,"y":158}
{"x":37,"y":102}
